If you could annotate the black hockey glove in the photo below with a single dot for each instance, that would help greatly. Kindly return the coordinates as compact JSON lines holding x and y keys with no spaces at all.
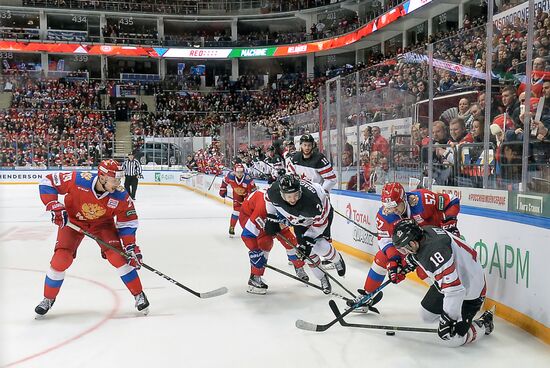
{"x":411,"y":264}
{"x":272,"y":226}
{"x":447,"y":327}
{"x":450,"y":226}
{"x":305,"y":245}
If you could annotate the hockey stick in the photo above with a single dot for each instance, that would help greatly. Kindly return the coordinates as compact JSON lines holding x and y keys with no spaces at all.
{"x":303,"y":325}
{"x":304,"y":282}
{"x":350,"y":220}
{"x":187,"y":175}
{"x":209,"y":294}
{"x":213,"y":180}
{"x":340,"y":318}
{"x":321,"y":268}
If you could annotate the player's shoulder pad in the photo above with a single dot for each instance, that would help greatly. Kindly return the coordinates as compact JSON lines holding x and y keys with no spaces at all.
{"x":414,"y":197}
{"x":84,"y":179}
{"x":435,"y":240}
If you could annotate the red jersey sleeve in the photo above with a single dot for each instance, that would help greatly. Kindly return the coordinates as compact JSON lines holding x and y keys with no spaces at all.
{"x":126,"y":221}
{"x":54,"y":184}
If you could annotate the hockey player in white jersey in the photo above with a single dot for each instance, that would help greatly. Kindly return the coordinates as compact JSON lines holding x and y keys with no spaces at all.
{"x":312,"y":165}
{"x":458,"y":289}
{"x":306,"y":207}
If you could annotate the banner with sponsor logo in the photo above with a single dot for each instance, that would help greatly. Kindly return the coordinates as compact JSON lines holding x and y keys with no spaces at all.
{"x":520,"y":11}
{"x":220,"y":53}
{"x":476,"y":197}
{"x":530,"y":203}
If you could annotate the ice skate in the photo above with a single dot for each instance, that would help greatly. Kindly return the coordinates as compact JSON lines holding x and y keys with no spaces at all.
{"x":43,"y":308}
{"x":368,"y":306}
{"x":301,"y":273}
{"x":325,"y":285}
{"x":142,"y":304}
{"x":256,"y":285}
{"x":487,"y":320}
{"x":340,"y":266}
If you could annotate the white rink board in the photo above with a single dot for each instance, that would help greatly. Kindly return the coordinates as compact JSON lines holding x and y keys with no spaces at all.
{"x":514,"y":255}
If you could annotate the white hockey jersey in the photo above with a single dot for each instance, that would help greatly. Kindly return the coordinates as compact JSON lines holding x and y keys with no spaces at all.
{"x":316,"y":169}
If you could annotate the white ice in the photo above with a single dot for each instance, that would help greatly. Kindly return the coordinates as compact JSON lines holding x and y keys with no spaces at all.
{"x":183,"y":234}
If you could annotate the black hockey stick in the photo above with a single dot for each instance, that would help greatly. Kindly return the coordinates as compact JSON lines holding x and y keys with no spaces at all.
{"x":340,"y":318}
{"x":321,"y":268}
{"x":303,"y":325}
{"x":357,"y":224}
{"x":307,"y":282}
{"x":212,"y":183}
{"x":209,"y":294}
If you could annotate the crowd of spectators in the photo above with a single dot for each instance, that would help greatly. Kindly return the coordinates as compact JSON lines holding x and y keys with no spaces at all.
{"x":53,"y":123}
{"x":457,"y":132}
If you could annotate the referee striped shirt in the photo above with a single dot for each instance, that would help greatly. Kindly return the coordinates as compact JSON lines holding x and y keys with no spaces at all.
{"x":131,"y":168}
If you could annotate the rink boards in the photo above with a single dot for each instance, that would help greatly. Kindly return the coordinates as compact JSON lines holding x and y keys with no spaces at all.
{"x":512,"y":248}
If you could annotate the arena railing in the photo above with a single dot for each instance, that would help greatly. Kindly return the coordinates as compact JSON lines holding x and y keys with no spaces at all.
{"x":183,"y":7}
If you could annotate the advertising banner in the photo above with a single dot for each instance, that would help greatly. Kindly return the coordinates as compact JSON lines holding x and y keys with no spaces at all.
{"x":477,"y":197}
{"x":223,"y":53}
{"x":520,"y":11}
{"x":530,"y":203}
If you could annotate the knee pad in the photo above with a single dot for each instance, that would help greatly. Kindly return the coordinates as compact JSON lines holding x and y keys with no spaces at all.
{"x":61,"y":260}
{"x":115,"y":258}
{"x":265,"y":243}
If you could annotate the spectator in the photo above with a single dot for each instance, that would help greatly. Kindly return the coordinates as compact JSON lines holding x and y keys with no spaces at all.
{"x":380,"y":144}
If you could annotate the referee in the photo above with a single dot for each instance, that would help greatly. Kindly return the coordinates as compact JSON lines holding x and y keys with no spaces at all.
{"x":132,"y":170}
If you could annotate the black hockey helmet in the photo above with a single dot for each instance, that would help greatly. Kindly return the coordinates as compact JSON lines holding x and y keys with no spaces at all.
{"x":405,"y":231}
{"x":307,"y":138}
{"x":289,"y":183}
{"x":271,"y":148}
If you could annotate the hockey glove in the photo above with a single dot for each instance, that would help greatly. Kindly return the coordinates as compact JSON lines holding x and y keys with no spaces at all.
{"x":223,"y":193}
{"x":305,"y":245}
{"x":272,"y":226}
{"x":60,"y":217}
{"x":133,"y":256}
{"x":447,"y":327}
{"x":450,"y":226}
{"x":395,"y":271}
{"x":411,"y":264}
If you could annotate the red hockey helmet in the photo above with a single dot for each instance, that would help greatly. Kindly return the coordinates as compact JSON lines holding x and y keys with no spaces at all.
{"x":392,"y":195}
{"x":110,"y":168}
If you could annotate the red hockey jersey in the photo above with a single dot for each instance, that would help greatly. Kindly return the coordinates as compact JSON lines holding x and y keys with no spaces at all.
{"x":86,"y":208}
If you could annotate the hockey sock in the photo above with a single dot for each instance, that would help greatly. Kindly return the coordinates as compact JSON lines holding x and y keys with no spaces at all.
{"x":130,"y":277}
{"x":233,"y":220}
{"x":52,"y":284}
{"x":291,"y":255}
{"x":374,"y":278}
{"x":314,"y":266}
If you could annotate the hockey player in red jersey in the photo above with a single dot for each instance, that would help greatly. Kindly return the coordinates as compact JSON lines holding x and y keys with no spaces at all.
{"x":252,"y":219}
{"x":242,"y":185}
{"x":458,"y":289}
{"x":422,"y":205}
{"x":92,"y":201}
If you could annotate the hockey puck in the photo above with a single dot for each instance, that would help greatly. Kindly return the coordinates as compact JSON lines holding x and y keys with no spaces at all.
{"x":390,"y":333}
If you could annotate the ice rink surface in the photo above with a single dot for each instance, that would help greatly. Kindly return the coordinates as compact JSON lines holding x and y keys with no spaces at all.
{"x":183,"y":234}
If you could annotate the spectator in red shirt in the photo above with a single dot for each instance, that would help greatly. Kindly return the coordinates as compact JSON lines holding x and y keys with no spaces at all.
{"x":380,"y":144}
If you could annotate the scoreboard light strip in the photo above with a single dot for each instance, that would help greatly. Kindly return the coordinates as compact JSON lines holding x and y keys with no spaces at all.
{"x":221,"y":53}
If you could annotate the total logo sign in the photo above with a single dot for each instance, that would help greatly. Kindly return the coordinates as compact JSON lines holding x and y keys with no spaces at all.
{"x":359,"y":234}
{"x":357,"y":216}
